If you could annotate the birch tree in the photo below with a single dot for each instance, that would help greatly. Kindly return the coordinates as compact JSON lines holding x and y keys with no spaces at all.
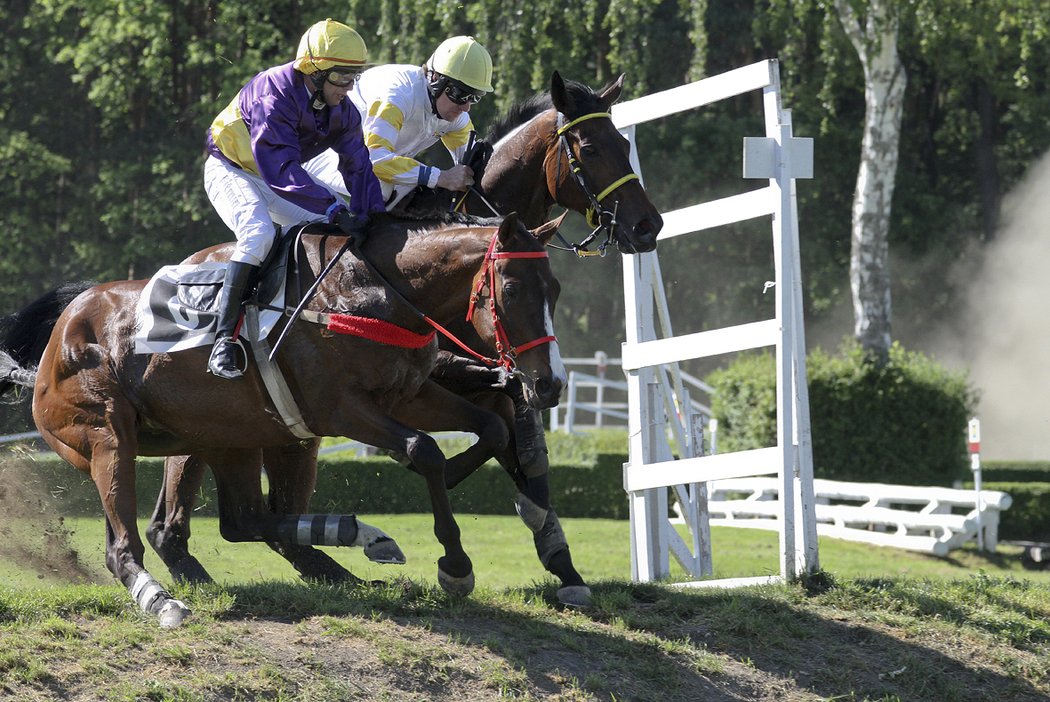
{"x":872,"y":30}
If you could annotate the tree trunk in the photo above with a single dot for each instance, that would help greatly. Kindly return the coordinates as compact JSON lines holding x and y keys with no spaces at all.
{"x":874,"y":37}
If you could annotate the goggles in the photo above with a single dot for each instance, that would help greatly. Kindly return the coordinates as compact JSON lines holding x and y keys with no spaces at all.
{"x":343,"y":76}
{"x":461,"y":95}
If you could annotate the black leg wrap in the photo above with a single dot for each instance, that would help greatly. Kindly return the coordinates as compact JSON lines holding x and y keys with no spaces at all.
{"x":528,"y":433}
{"x":318,"y":530}
{"x":550,"y":539}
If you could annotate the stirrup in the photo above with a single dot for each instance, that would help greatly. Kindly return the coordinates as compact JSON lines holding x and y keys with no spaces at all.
{"x":223,"y":360}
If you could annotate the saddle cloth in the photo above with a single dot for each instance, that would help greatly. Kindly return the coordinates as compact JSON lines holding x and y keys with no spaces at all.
{"x":176,"y":310}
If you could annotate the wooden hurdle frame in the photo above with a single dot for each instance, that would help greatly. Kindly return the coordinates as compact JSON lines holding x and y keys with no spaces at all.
{"x":665,"y":449}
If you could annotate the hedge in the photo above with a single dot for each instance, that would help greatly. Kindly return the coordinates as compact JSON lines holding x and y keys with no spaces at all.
{"x":1028,"y":517}
{"x":901,"y":423}
{"x":1016,"y":471}
{"x":365,"y":485}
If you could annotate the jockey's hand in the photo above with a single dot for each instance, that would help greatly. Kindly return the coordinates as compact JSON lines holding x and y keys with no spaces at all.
{"x":354,"y":227}
{"x":457,"y":178}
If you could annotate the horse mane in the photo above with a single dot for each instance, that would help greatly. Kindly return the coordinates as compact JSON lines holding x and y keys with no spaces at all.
{"x":585,"y":99}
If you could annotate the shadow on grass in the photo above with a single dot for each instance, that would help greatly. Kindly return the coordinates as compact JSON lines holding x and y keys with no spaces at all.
{"x":647,"y":641}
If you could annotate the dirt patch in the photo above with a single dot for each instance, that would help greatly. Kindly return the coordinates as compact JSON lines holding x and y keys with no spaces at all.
{"x":32,"y":533}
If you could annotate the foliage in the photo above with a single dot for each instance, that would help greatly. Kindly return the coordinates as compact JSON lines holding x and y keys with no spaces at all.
{"x":102,"y":181}
{"x":1016,"y":471}
{"x":1028,"y":518}
{"x":901,"y":423}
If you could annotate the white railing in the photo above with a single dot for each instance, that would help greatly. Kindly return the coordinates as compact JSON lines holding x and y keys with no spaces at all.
{"x":930,"y":519}
{"x":594,"y":400}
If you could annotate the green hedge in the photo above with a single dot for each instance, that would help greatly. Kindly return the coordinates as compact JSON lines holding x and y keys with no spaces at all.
{"x":1016,"y":471}
{"x":379,"y":485}
{"x":1028,"y":517}
{"x":902,"y":423}
{"x":344,"y":484}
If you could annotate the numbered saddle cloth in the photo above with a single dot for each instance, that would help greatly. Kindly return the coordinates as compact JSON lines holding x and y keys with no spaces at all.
{"x":176,"y":310}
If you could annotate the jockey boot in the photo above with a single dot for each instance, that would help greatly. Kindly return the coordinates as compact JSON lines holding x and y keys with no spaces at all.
{"x":223,"y":360}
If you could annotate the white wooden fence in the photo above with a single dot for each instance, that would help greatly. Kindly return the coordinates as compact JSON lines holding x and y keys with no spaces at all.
{"x":930,"y":519}
{"x":598,"y":400}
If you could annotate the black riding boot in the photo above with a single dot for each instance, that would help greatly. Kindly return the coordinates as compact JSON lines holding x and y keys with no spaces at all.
{"x":223,"y":361}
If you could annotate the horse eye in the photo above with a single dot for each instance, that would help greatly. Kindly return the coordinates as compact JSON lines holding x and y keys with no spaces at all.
{"x":510,"y":291}
{"x":588,"y":150}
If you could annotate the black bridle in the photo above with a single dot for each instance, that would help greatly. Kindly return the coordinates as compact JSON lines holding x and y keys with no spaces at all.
{"x":598,"y":218}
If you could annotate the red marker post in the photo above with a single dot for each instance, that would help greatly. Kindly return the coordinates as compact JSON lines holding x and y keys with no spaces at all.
{"x":974,"y":445}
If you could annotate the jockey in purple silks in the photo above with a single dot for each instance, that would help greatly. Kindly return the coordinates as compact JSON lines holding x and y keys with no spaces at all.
{"x":253,"y":173}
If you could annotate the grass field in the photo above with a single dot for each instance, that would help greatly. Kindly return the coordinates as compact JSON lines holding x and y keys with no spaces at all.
{"x":893,"y":626}
{"x":502,"y":552}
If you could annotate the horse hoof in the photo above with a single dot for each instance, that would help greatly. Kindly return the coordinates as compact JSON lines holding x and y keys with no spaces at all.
{"x":385,"y":550}
{"x":577,"y":596}
{"x":456,"y":587}
{"x":172,"y":614}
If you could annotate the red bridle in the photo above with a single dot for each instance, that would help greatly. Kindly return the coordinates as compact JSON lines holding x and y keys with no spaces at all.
{"x":507,"y":352}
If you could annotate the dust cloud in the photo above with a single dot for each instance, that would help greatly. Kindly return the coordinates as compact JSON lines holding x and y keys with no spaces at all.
{"x":1002,"y":334}
{"x":33,"y":535}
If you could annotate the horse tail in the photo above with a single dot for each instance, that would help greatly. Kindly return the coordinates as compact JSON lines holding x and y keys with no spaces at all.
{"x":13,"y":375}
{"x":24,"y":334}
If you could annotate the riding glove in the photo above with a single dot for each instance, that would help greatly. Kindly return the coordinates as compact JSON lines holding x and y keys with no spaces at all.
{"x":354,"y":227}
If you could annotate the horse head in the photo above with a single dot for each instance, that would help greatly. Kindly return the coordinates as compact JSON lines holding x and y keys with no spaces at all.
{"x":599,"y":179}
{"x":512,"y":308}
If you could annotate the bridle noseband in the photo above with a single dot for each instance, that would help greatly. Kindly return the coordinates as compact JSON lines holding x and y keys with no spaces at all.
{"x":598,"y":218}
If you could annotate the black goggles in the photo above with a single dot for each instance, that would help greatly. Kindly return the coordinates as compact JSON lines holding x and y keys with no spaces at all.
{"x":342,"y":77}
{"x":461,"y":95}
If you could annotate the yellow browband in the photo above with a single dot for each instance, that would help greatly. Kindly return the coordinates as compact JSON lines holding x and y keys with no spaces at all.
{"x":561,"y":129}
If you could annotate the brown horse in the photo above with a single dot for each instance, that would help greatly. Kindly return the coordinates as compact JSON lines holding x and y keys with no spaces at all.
{"x":537,"y":145}
{"x":99,"y":405}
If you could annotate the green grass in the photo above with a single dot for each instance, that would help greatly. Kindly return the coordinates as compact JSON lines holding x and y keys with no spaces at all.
{"x":503,"y":555}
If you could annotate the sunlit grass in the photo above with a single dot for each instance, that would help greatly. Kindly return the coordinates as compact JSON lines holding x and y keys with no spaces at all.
{"x":503,"y":554}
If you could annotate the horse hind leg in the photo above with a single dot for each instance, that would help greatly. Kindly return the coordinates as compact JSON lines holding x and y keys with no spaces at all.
{"x":169,"y":529}
{"x":111,"y":470}
{"x":292,"y":473}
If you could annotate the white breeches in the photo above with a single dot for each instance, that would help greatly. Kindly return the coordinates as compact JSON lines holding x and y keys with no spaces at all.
{"x":324,"y":168}
{"x":250,"y":209}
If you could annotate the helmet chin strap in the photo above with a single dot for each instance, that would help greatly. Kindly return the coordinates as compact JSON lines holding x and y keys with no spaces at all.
{"x":318,"y":79}
{"x":434,"y":88}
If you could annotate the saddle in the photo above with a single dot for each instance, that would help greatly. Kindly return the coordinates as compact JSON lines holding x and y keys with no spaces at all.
{"x":176,"y":310}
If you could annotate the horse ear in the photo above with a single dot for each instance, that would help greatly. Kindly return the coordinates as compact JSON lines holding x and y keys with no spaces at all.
{"x":611,"y":92}
{"x":558,"y":95}
{"x":546,"y":231}
{"x":508,"y":229}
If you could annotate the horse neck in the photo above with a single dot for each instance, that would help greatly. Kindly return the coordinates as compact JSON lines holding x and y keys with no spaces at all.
{"x":439,"y":270}
{"x":517,"y":176}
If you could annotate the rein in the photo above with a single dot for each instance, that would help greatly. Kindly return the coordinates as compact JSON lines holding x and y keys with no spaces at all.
{"x":598,"y":218}
{"x":505,"y":351}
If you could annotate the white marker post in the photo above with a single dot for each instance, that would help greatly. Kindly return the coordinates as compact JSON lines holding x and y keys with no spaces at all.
{"x":975,"y":466}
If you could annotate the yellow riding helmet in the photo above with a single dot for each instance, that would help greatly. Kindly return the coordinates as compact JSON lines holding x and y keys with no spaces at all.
{"x":327,"y":44}
{"x":465,"y":60}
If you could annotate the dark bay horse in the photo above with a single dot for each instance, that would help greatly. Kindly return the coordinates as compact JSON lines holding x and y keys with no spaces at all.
{"x":99,"y":405}
{"x":537,"y":145}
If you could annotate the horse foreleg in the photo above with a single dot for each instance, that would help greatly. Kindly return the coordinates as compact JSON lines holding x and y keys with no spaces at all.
{"x":525,"y":461}
{"x":438,"y":409}
{"x":292,"y":474}
{"x":455,"y":571}
{"x":169,"y":528}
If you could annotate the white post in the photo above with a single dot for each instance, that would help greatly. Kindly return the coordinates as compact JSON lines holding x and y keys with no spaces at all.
{"x":975,"y":466}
